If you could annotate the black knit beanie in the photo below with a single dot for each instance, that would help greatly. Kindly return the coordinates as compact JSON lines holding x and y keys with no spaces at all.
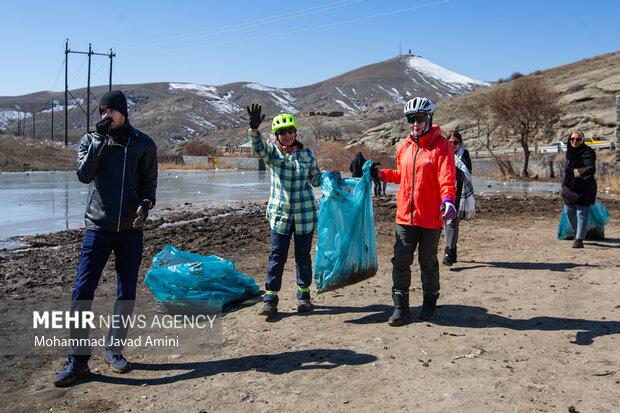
{"x":114,"y":99}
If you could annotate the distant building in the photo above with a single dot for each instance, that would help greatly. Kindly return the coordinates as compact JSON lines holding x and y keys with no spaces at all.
{"x":332,"y":114}
{"x":243,"y":149}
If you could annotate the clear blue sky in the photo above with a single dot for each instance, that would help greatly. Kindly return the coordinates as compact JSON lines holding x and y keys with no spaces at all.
{"x":292,"y":43}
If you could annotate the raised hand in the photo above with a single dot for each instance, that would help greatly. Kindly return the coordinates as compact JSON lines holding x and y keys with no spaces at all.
{"x":255,"y":115}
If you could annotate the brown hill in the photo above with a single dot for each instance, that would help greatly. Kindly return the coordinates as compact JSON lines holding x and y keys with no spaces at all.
{"x":25,"y":154}
{"x":587,"y":89}
{"x":175,"y":112}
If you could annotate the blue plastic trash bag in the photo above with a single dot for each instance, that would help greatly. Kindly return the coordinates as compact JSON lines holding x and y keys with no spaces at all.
{"x":597,"y":218}
{"x":346,"y":249}
{"x":179,"y":276}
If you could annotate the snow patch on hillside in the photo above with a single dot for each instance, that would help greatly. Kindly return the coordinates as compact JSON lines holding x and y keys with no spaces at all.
{"x":221,"y":104}
{"x":345,"y":106}
{"x":284,"y":100}
{"x":8,"y":116}
{"x":359,"y":105}
{"x":394,"y":94}
{"x":199,"y":120}
{"x":430,"y":69}
{"x":207,"y":91}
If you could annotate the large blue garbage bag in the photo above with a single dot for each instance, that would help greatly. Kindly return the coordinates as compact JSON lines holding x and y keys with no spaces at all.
{"x":179,"y":276}
{"x":597,"y":218}
{"x":346,"y":249}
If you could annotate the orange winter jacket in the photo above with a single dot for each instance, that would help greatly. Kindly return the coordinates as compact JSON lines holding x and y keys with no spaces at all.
{"x":418,"y":201}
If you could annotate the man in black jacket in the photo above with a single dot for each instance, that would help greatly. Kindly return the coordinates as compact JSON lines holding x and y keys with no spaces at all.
{"x":120,"y":165}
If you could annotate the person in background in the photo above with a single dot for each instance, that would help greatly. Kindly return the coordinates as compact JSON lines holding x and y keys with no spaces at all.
{"x":356,"y":172}
{"x":579,"y":186}
{"x":356,"y":165}
{"x":465,"y":205}
{"x":292,"y":209}
{"x":380,"y":184}
{"x":425,"y":199}
{"x":120,"y":165}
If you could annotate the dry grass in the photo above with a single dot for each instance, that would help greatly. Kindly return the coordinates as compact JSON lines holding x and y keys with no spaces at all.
{"x":334,"y":156}
{"x":609,"y":183}
{"x":225,"y":164}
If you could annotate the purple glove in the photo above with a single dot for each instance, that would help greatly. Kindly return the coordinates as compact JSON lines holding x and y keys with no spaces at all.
{"x":447,"y":205}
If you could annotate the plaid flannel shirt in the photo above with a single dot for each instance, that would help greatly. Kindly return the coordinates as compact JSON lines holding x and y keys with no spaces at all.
{"x":292,"y":174}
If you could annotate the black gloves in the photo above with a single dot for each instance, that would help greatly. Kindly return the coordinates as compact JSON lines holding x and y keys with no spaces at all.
{"x":255,"y":116}
{"x":103,"y":126}
{"x":374,"y":172}
{"x":142,"y":212}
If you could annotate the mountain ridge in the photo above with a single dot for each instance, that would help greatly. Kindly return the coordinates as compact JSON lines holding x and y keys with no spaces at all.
{"x":176,"y":111}
{"x":587,"y":97}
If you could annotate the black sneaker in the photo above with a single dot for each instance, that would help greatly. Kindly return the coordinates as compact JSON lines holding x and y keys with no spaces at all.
{"x":117,"y":362}
{"x":269,"y":309}
{"x":304,"y":306}
{"x":578,"y":243}
{"x":71,"y":371}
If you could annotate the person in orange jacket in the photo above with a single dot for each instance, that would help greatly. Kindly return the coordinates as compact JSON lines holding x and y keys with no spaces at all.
{"x":426,"y":175}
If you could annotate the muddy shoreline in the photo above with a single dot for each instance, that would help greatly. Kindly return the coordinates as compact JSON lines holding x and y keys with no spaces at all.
{"x":525,"y":323}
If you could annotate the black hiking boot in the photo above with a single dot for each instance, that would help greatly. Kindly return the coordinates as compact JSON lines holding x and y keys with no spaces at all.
{"x":450,"y":257}
{"x":401,"y":309}
{"x":304,"y":306}
{"x":269,"y":309}
{"x":429,"y":306}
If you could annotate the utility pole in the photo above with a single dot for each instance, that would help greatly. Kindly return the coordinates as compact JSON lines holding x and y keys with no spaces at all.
{"x":111,"y":55}
{"x":88,"y":94}
{"x":52,"y":135}
{"x":66,"y":90}
{"x":90,"y":53}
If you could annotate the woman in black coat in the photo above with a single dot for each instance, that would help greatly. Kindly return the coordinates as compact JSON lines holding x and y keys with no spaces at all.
{"x":579,"y":185}
{"x":465,"y":190}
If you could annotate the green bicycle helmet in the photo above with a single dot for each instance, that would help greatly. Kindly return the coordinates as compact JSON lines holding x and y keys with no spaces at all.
{"x":282,"y":121}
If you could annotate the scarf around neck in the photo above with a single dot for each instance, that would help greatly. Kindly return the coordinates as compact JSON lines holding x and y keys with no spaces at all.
{"x":572,"y":153}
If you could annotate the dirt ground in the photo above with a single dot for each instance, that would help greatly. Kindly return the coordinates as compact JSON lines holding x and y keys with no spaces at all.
{"x":525,"y":323}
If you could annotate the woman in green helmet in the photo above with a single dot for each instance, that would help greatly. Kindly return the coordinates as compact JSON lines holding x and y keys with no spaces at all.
{"x":292,"y":209}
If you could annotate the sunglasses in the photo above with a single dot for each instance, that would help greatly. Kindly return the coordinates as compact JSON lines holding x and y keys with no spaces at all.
{"x":418,"y":118}
{"x":455,"y":143}
{"x":576,"y":139}
{"x":286,"y":130}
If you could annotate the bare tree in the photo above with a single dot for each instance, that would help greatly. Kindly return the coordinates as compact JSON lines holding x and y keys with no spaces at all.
{"x":195,"y":148}
{"x":523,"y":109}
{"x":477,"y":110}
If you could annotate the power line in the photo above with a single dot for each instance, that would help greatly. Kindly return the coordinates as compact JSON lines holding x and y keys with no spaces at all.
{"x":88,"y":94}
{"x":79,"y":69}
{"x":262,"y":21}
{"x":62,"y":64}
{"x":323,"y":26}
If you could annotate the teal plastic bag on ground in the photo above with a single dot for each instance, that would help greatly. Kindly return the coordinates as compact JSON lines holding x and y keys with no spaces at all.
{"x":178,"y":277}
{"x":346,"y":249}
{"x":597,"y":218}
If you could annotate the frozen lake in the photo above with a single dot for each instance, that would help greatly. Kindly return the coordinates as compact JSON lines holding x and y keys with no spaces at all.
{"x":43,"y":202}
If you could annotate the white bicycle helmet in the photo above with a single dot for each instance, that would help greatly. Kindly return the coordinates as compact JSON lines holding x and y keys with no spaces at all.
{"x":419,"y":105}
